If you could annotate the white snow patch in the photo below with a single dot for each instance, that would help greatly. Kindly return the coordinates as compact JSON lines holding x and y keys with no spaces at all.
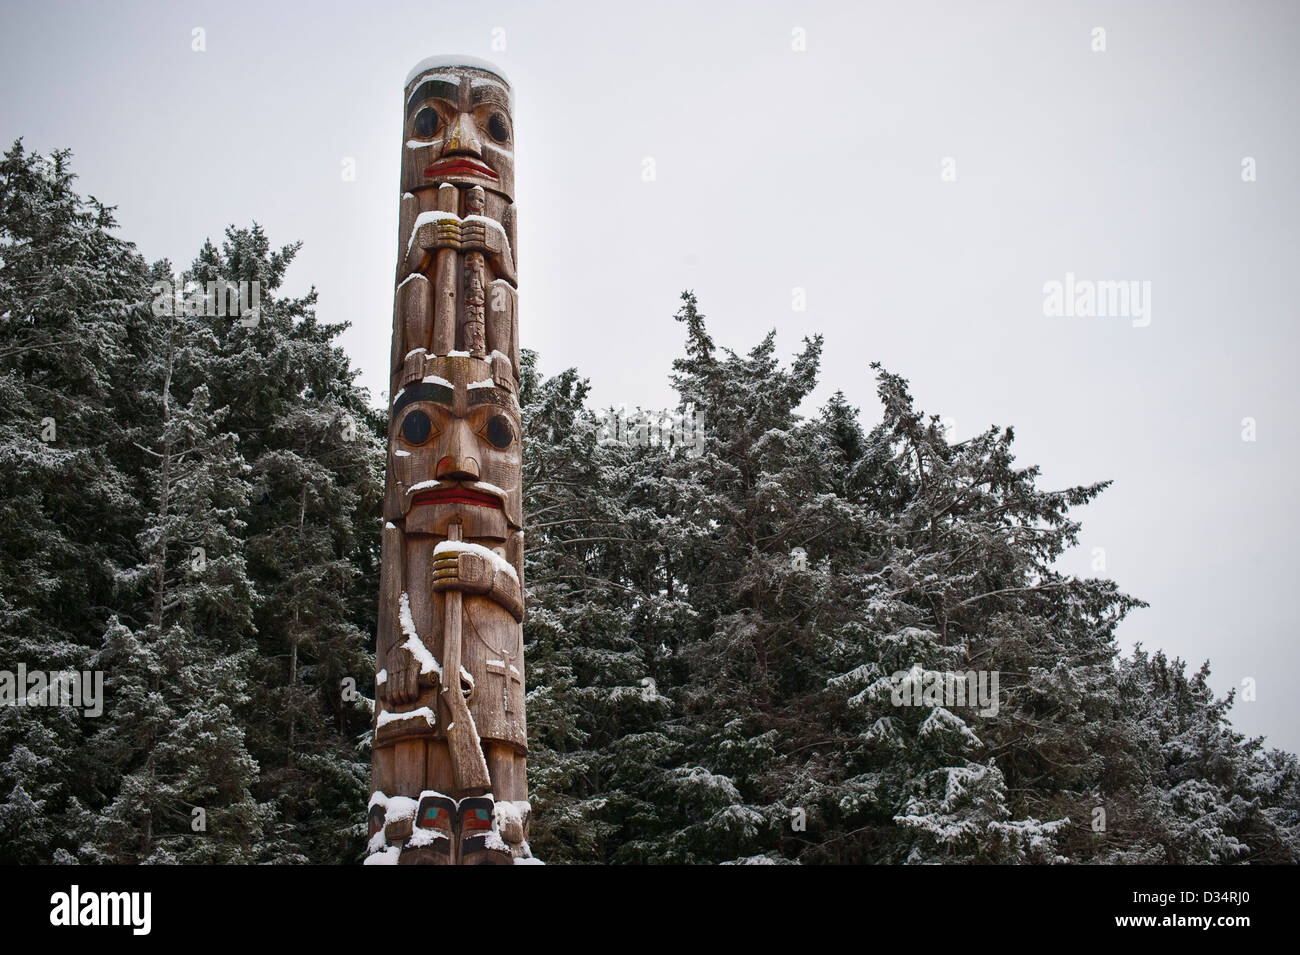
{"x":443,"y":62}
{"x":425,"y":837}
{"x":386,"y":857}
{"x":427,"y":714}
{"x":401,"y":807}
{"x":942,"y":720}
{"x":485,"y":486}
{"x":504,"y":813}
{"x":414,"y":645}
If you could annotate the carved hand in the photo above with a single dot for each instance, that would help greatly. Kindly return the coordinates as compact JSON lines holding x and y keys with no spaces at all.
{"x":461,"y":235}
{"x":405,"y":681}
{"x":462,"y":571}
{"x":473,"y":574}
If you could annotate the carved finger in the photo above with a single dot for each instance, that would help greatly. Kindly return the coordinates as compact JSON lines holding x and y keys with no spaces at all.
{"x":409,"y":684}
{"x":396,"y":687}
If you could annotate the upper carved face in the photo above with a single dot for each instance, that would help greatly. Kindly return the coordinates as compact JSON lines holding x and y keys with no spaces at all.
{"x":455,"y":441}
{"x":459,"y":129}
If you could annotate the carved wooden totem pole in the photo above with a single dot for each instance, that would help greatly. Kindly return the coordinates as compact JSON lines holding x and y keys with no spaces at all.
{"x":447,"y":772}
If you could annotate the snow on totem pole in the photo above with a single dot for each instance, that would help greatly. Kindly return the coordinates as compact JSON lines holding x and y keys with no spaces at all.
{"x":447,"y":771}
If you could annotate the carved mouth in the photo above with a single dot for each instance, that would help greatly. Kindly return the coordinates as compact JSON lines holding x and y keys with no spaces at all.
{"x":458,"y":167}
{"x":456,"y":494}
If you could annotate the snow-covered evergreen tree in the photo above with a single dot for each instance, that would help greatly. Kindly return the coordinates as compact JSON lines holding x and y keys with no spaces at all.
{"x":597,"y":722}
{"x":734,"y":656}
{"x":796,"y":570}
{"x":315,"y":453}
{"x":127,"y":440}
{"x":178,"y":685}
{"x":72,"y":298}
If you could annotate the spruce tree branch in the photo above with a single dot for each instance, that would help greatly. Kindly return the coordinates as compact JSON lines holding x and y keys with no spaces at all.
{"x":22,"y":348}
{"x":1012,"y":590}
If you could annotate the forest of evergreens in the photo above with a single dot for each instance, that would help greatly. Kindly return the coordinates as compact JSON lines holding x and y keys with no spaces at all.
{"x":191,"y":505}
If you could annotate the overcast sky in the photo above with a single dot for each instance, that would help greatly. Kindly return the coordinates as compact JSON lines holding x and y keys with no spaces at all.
{"x":819,"y":168}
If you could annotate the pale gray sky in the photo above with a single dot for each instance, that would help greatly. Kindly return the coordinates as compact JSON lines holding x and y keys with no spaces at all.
{"x":818,"y":169}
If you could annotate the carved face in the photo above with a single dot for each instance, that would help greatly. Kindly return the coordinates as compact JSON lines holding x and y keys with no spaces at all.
{"x":459,"y":129}
{"x":454,"y":439}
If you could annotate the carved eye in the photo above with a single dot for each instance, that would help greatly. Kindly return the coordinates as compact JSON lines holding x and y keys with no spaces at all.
{"x":497,"y":128}
{"x":499,"y":432}
{"x":426,"y":122}
{"x":416,"y":428}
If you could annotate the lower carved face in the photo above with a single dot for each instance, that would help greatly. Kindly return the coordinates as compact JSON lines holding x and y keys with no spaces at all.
{"x":455,"y":444}
{"x":459,"y":130}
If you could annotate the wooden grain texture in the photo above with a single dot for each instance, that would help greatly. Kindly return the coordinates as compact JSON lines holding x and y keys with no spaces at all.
{"x":454,"y":476}
{"x":467,"y":762}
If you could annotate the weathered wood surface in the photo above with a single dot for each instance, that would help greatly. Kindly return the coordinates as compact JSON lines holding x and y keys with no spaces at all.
{"x":450,"y":737}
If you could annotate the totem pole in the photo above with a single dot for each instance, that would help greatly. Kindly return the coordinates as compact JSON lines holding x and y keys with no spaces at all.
{"x":447,"y":771}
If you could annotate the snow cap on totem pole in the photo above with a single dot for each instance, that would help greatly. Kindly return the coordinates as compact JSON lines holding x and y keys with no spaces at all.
{"x":459,"y":126}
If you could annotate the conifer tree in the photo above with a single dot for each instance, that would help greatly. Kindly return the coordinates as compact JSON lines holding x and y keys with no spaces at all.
{"x":315,"y":453}
{"x":737,"y":651}
{"x":72,"y":298}
{"x":595,"y":716}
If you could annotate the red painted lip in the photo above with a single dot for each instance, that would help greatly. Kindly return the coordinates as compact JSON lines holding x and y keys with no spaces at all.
{"x":456,"y":495}
{"x":458,"y":167}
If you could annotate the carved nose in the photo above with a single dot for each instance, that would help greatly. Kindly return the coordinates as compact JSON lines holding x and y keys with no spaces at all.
{"x":458,"y":469}
{"x":455,"y":463}
{"x":464,"y":138}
